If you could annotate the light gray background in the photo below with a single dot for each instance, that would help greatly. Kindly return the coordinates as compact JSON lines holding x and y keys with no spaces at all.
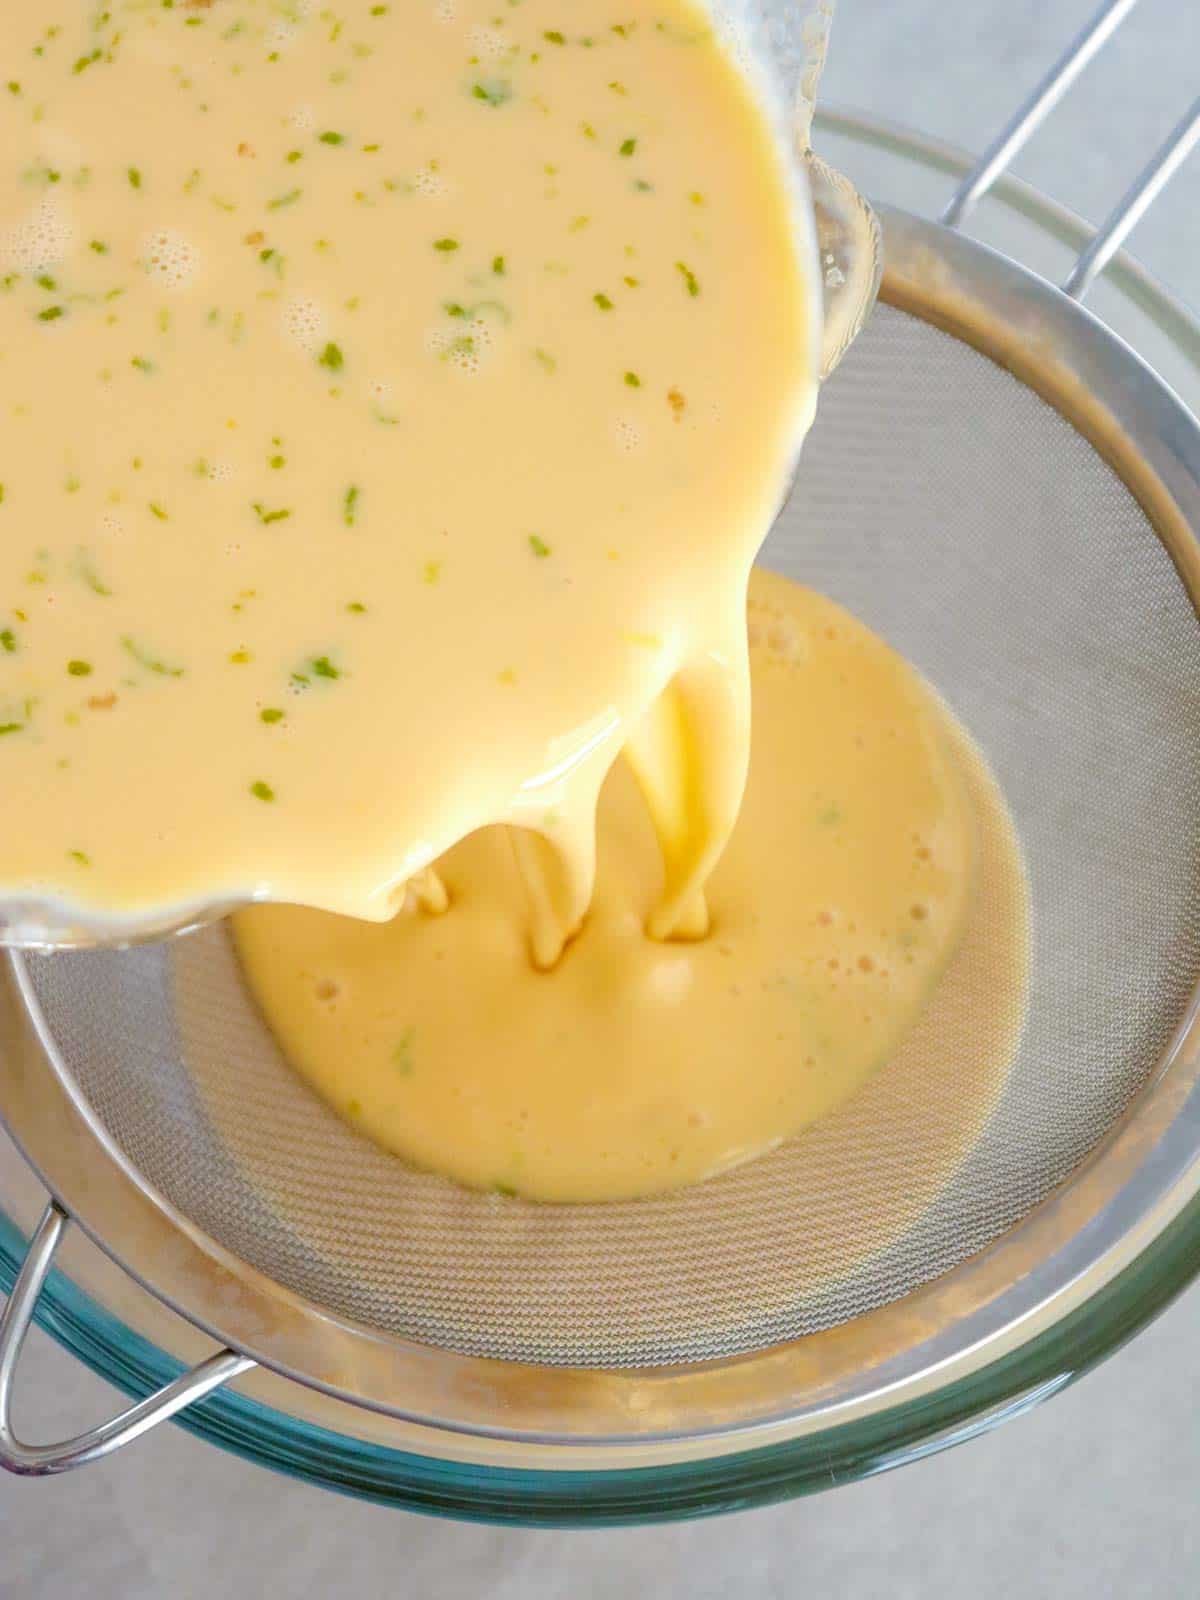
{"x":1096,"y":1494}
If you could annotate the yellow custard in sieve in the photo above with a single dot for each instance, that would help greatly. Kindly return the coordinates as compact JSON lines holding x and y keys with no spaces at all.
{"x":638,"y":1066}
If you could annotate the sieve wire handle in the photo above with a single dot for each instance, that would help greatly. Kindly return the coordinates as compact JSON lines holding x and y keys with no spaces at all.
{"x":37,"y":1460}
{"x":1029,"y":116}
{"x":1026,"y":120}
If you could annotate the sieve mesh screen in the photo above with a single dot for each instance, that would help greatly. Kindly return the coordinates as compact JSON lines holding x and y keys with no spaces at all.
{"x":970,"y":524}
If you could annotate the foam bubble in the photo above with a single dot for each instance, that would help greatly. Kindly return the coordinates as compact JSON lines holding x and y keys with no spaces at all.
{"x":629,"y":434}
{"x":111,"y":526}
{"x":40,"y":242}
{"x":430,"y":182}
{"x":303,"y":119}
{"x":218,"y":472}
{"x":445,"y":11}
{"x":489,"y":43}
{"x":785,"y":640}
{"x":465,"y":347}
{"x":281,"y":37}
{"x":170,"y":258}
{"x":303,"y":320}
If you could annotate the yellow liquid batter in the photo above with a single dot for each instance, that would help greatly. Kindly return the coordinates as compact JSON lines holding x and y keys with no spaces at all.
{"x":393,"y":402}
{"x":638,"y":1066}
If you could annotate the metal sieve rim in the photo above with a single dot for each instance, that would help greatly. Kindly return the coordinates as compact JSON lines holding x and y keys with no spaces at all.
{"x":1111,"y":1208}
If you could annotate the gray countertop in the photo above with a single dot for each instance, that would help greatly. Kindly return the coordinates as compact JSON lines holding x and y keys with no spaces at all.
{"x":1094,"y":1494}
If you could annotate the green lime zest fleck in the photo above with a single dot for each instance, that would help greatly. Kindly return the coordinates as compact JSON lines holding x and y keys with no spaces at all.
{"x":99,"y":247}
{"x":84,"y":62}
{"x":331,"y":357}
{"x":8,"y":641}
{"x":145,"y":659}
{"x":498,"y":267}
{"x":240,"y":658}
{"x":545,"y":360}
{"x":270,"y":714}
{"x":324,"y":668}
{"x":402,"y":1054}
{"x":431,"y":571}
{"x":492,"y":91}
{"x":689,"y":278}
{"x":293,"y":156}
{"x":628,"y":146}
{"x":134,"y":176}
{"x":261,"y":790}
{"x":11,"y":727}
{"x":45,"y":281}
{"x":480,"y":309}
{"x":90,"y":576}
{"x":350,"y":505}
{"x":277,"y":462}
{"x":51,"y":313}
{"x":445,"y":245}
{"x":632,"y":379}
{"x":13,"y":86}
{"x":157,"y":511}
{"x":79,"y":669}
{"x":552,"y":36}
{"x":506,"y":1189}
{"x":603,"y":302}
{"x":356,"y":607}
{"x":281,"y":200}
{"x":142,"y":365}
{"x":80,"y":857}
{"x":330,"y":137}
{"x":538,"y":545}
{"x":266,"y":517}
{"x":379,"y":11}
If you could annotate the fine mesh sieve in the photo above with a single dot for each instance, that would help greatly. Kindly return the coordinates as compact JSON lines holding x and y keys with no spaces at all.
{"x":997,"y":486}
{"x":952,"y":508}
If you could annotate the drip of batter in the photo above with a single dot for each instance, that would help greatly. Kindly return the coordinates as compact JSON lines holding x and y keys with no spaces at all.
{"x":640,"y":1066}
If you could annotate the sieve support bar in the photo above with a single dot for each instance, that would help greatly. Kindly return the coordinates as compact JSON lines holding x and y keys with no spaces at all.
{"x":1029,"y":117}
{"x":35,"y":1460}
{"x":1135,"y":202}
